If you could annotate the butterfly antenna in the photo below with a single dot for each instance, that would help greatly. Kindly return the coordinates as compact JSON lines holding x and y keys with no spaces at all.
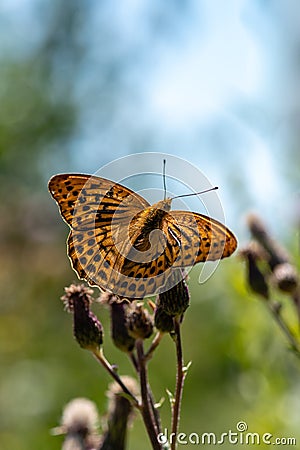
{"x":196,"y":193}
{"x":164,"y":179}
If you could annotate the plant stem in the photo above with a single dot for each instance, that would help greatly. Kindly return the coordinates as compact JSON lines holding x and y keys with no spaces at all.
{"x":134,"y":361}
{"x":179,"y":382}
{"x":154,"y":411}
{"x":276,"y":313}
{"x":151,"y":398}
{"x":101,"y":358}
{"x":146,"y":406}
{"x":154,"y":345}
{"x":115,"y":436}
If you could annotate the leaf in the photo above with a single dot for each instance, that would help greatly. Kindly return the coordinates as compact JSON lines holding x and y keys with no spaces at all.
{"x":186,"y":368}
{"x":171,"y":397}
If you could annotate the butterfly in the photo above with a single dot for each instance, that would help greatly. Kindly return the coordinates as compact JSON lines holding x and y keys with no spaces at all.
{"x":120,"y":243}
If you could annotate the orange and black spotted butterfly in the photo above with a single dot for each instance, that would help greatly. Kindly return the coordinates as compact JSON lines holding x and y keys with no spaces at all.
{"x":120,"y":243}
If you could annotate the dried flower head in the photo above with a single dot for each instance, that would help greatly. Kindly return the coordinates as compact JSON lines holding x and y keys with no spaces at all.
{"x":114,"y":391}
{"x":256,"y":278}
{"x":119,"y":329}
{"x":285,"y":277}
{"x":79,"y":423}
{"x":163,"y":321}
{"x":74,"y":292}
{"x":106,"y":297}
{"x":254,"y":249}
{"x":87,"y":328}
{"x":277,"y":255}
{"x":120,"y":413}
{"x":138,"y":321}
{"x":80,"y":416}
{"x":175,"y":300}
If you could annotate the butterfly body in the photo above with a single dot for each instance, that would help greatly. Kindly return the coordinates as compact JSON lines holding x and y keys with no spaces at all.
{"x":121,"y":243}
{"x":150,"y":218}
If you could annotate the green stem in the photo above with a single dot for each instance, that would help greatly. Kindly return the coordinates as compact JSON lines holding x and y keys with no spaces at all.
{"x":275,"y":310}
{"x":179,"y":383}
{"x":101,"y":358}
{"x":154,"y":344}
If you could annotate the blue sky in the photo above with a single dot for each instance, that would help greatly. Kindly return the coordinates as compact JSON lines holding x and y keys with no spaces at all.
{"x":206,"y":80}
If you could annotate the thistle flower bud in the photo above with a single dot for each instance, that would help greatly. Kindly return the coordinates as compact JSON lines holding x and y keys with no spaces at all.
{"x":175,"y":300}
{"x":75,"y":291}
{"x":138,"y":321}
{"x":258,"y":230}
{"x":120,"y":413}
{"x":256,"y":278}
{"x":163,"y":321}
{"x":119,"y":329}
{"x":79,"y":423}
{"x":285,"y":277}
{"x":115,"y":392}
{"x":87,"y":328}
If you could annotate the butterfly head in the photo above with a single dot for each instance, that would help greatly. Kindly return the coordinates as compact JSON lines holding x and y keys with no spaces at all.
{"x":164,"y":205}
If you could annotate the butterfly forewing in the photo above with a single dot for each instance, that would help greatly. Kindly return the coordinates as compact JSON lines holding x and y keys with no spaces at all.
{"x":87,"y":201}
{"x":99,"y":213}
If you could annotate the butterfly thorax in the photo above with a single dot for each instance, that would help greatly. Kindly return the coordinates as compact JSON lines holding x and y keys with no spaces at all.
{"x":151,"y":217}
{"x":147,"y":220}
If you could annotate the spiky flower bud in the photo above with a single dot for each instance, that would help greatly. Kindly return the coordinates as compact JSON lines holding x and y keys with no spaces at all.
{"x":115,"y":392}
{"x":256,"y":278}
{"x":120,"y":412}
{"x":285,"y":277}
{"x":79,"y":423}
{"x":119,"y":330}
{"x":138,"y":321}
{"x":277,"y":255}
{"x":163,"y":321}
{"x":175,"y":301}
{"x":87,"y":328}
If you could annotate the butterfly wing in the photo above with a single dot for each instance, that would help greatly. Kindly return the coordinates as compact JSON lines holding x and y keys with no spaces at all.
{"x":99,"y":212}
{"x":183,"y":239}
{"x":87,"y":201}
{"x":200,"y":237}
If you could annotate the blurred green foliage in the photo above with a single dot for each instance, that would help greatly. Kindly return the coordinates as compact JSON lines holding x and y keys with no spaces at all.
{"x":241,"y":368}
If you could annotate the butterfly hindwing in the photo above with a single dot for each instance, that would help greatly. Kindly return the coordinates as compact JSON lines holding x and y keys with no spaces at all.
{"x":201,"y":238}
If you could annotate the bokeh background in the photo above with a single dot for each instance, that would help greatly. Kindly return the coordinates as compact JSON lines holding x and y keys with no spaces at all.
{"x":84,"y":82}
